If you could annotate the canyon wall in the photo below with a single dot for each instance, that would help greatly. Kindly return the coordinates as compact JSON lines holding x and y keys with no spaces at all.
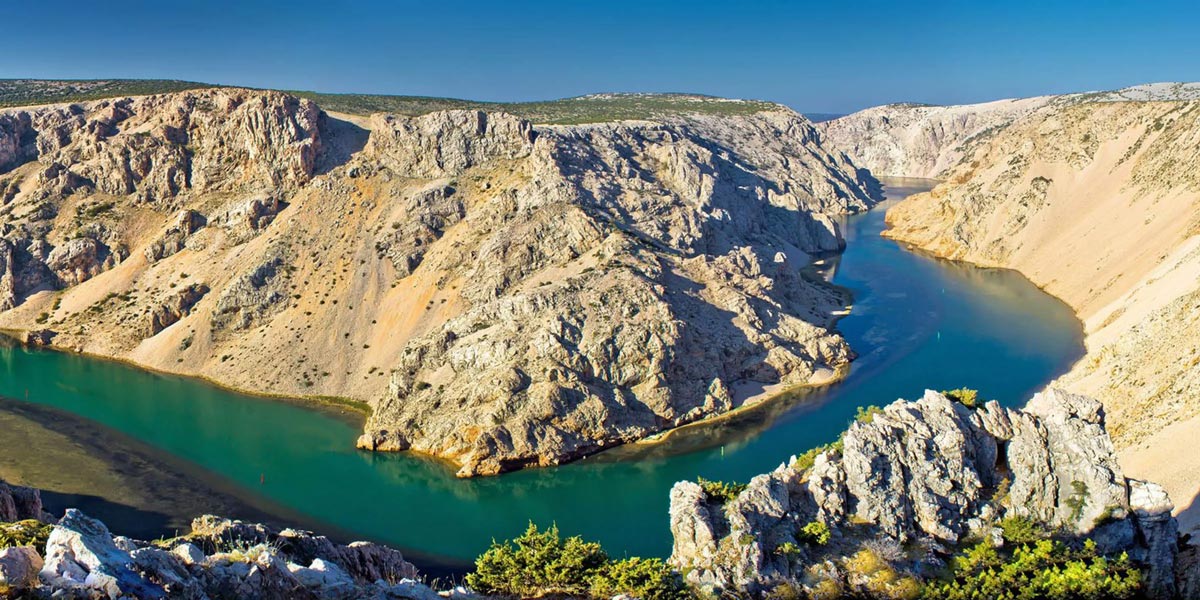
{"x":501,"y":294}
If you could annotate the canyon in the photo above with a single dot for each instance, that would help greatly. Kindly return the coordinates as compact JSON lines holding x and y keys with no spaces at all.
{"x":504,"y":294}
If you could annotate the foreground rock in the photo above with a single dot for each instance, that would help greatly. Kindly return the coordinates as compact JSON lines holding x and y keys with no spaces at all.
{"x":218,"y":559}
{"x":503,"y":294}
{"x":930,"y":474}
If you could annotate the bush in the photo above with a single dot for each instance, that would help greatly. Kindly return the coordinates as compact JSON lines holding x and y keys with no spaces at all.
{"x":721,"y":491}
{"x":866,"y":414}
{"x":876,"y":578}
{"x":815,"y":534}
{"x":1044,"y":569}
{"x":805,"y":461}
{"x":537,"y":563}
{"x":644,"y":578}
{"x":25,"y":533}
{"x":541,"y":563}
{"x":966,"y":397}
{"x":1021,"y":530}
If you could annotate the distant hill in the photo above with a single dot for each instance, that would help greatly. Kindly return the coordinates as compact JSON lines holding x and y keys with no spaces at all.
{"x":595,"y":108}
{"x":30,"y":92}
{"x":822,"y":117}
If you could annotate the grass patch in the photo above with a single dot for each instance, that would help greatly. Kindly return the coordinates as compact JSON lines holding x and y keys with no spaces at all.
{"x":25,"y":533}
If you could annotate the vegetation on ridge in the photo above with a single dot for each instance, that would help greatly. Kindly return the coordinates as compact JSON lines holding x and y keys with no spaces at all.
{"x":595,"y":108}
{"x":31,"y":92}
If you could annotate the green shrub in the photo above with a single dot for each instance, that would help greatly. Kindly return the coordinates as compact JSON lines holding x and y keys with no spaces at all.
{"x":537,"y":563}
{"x":876,"y":578}
{"x":788,"y":549}
{"x":966,"y":397}
{"x":1021,"y":530}
{"x":644,"y":578}
{"x":815,"y":534}
{"x":1078,"y":500}
{"x":866,"y":414}
{"x":721,"y":491}
{"x":541,"y":563}
{"x":25,"y":533}
{"x":1042,"y":570}
{"x":805,"y":461}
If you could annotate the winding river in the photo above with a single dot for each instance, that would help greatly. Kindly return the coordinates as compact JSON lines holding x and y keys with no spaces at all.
{"x":917,"y":323}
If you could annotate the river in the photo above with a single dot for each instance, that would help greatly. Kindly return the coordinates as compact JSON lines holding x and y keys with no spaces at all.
{"x":169,"y":447}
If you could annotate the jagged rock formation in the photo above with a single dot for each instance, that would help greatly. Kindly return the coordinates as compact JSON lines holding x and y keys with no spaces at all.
{"x":535,"y":292}
{"x":930,"y":473}
{"x":219,"y":558}
{"x":1095,"y":203}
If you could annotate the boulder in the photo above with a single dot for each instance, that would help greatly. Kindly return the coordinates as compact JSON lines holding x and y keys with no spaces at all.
{"x":19,"y":567}
{"x":81,"y":554}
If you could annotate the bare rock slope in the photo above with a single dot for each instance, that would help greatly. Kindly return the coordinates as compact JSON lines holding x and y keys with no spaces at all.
{"x":1099,"y":203}
{"x":928,"y":141}
{"x":502,"y":294}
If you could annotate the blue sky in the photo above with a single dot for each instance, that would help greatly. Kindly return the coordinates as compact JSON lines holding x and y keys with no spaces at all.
{"x":817,"y":57}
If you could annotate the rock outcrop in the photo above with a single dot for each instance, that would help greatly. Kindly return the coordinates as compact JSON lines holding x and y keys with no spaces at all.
{"x":503,"y":294}
{"x":18,"y":503}
{"x":219,"y":558}
{"x":931,"y":473}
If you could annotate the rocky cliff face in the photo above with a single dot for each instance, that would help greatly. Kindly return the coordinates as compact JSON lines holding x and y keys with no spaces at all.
{"x":502,"y":294}
{"x":929,"y":474}
{"x":1095,"y":203}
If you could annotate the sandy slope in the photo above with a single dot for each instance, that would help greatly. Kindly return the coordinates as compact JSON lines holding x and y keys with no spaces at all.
{"x":1099,"y":203}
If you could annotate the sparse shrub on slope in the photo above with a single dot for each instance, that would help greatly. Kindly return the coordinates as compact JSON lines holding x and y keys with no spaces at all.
{"x":721,"y":491}
{"x":1045,"y":569}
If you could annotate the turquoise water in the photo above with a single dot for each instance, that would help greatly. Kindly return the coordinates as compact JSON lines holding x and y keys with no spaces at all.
{"x":917,"y":323}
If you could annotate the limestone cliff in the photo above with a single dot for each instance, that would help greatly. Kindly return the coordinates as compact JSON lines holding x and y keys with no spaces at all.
{"x":1097,"y":203}
{"x":928,"y":475}
{"x":928,"y":141}
{"x":502,"y":294}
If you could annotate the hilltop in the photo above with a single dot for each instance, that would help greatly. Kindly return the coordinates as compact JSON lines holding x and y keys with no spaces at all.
{"x":593,"y":108}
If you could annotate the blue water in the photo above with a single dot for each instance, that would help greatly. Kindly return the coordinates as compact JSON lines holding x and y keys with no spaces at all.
{"x":917,"y":323}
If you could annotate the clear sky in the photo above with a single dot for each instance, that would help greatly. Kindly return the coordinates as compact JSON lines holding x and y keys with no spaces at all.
{"x":817,"y":57}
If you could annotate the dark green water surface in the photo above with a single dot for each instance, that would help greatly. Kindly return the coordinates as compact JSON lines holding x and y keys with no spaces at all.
{"x":917,"y":323}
